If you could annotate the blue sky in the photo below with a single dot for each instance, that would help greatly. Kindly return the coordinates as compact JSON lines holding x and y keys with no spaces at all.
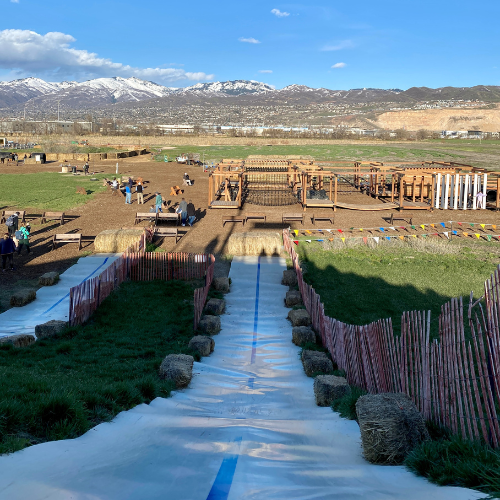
{"x":341,"y":45}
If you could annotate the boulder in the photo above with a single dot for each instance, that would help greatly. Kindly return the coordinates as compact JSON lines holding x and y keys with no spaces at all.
{"x":22,"y":298}
{"x":215,"y":306}
{"x":316,"y":362}
{"x":203,"y":344}
{"x":390,"y":425}
{"x":299,"y":317}
{"x":327,"y":388}
{"x":221,"y":284}
{"x":293,"y":298}
{"x":289,"y":278}
{"x":21,"y":340}
{"x":178,"y":368}
{"x":302,"y":335}
{"x":50,"y":329}
{"x":48,"y":279}
{"x":209,"y":325}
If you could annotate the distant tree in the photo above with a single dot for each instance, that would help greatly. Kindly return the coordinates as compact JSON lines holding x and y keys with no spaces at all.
{"x":423,"y":134}
{"x":401,"y":134}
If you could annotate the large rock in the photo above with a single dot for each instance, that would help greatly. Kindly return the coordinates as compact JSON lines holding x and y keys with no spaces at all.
{"x":178,"y":368}
{"x":50,"y":329}
{"x":303,"y":334}
{"x":293,"y":298}
{"x":22,"y":298}
{"x":48,"y":279}
{"x":316,"y":362}
{"x":209,"y":325}
{"x":221,"y":284}
{"x":21,"y":340}
{"x":289,"y":278}
{"x":299,"y":317}
{"x":215,"y":306}
{"x":327,"y":388}
{"x":390,"y":425}
{"x":203,"y":344}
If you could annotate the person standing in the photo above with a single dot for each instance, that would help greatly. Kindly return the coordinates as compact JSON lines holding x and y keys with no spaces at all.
{"x":183,"y":211}
{"x":158,"y":202}
{"x":191,"y":213}
{"x":139,"y":191}
{"x":7,"y":249}
{"x":23,"y":238}
{"x":86,"y":168}
{"x":128,"y":195}
{"x":12,"y":224}
{"x":114,"y":186}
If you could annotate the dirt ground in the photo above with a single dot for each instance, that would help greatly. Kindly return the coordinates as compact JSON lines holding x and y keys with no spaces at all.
{"x":105,"y":211}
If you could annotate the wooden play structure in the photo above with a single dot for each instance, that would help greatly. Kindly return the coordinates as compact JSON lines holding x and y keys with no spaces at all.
{"x":224,"y":188}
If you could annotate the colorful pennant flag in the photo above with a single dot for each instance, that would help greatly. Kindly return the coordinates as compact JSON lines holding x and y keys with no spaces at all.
{"x":382,"y":229}
{"x":343,"y":240}
{"x":443,"y":224}
{"x":422,"y":226}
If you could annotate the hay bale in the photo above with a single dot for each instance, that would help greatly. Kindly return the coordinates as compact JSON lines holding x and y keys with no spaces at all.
{"x":293,"y":298}
{"x":255,"y":243}
{"x":209,"y":325}
{"x":116,"y":240}
{"x":327,"y":388}
{"x":81,"y":190}
{"x":390,"y":425}
{"x":299,"y":317}
{"x":22,"y":298}
{"x":21,"y":340}
{"x":202,"y":344}
{"x":289,"y":278}
{"x":178,"y":368}
{"x":221,"y":284}
{"x":315,"y":362}
{"x":303,"y":334}
{"x":50,"y":329}
{"x":48,"y":279}
{"x":215,"y":306}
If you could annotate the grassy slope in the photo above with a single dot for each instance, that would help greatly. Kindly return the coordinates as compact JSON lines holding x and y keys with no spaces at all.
{"x":59,"y":388}
{"x":46,"y":190}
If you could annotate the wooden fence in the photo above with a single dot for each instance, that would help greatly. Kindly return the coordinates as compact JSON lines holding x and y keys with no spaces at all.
{"x":200,"y":294}
{"x":454,"y":379}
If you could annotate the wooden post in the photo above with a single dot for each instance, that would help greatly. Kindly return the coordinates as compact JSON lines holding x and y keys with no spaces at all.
{"x":330,"y":189}
{"x":413,"y":188}
{"x":422,"y":189}
{"x":401,"y":191}
{"x":497,"y":203}
{"x":210,"y":190}
{"x":392,"y":188}
{"x":433,"y":190}
{"x":335,"y":199}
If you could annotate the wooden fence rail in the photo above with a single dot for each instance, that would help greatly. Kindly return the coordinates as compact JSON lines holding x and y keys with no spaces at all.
{"x":454,"y":379}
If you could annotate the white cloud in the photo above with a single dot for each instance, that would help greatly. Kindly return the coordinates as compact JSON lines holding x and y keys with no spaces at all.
{"x":248,"y":40}
{"x":28,"y":53}
{"x":339,"y":65}
{"x":265,"y":70}
{"x":344,"y":44}
{"x":278,"y":13}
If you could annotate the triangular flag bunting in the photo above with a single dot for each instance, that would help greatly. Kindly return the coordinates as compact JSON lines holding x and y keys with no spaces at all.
{"x":477,"y":235}
{"x":493,"y":226}
{"x":376,"y":238}
{"x":446,"y":234}
{"x":424,"y":235}
{"x":296,"y":242}
{"x":482,"y":225}
{"x":330,"y":239}
{"x":402,"y":238}
{"x":393,"y":228}
{"x":489,"y":237}
{"x":296,"y":232}
{"x":343,"y":240}
{"x":471,"y":224}
{"x":365,"y":239}
{"x":361,"y":229}
{"x":422,"y":226}
{"x":329,"y":230}
{"x":388,"y":238}
{"x":320,"y":240}
{"x":454,"y":232}
{"x":414,"y":235}
{"x":459,"y":223}
{"x":432,"y":225}
{"x":382,"y":229}
{"x":308,"y":241}
{"x":443,"y":224}
{"x":339,"y":230}
{"x":413,"y":227}
{"x":465,"y":234}
{"x":308,"y":232}
{"x":351,"y":228}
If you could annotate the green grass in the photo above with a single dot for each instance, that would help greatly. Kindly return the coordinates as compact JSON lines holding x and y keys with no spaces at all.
{"x":346,"y":405}
{"x":60,"y":388}
{"x":47,"y":190}
{"x":359,"y":284}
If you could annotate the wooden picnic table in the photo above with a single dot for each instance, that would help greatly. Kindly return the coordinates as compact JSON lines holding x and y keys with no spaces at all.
{"x":167,"y":232}
{"x":255,"y":215}
{"x":169,"y":216}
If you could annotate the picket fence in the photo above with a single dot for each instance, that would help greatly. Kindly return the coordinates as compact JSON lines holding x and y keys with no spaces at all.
{"x":454,"y":380}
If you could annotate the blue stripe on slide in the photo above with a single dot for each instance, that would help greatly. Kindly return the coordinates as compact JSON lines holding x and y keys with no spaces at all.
{"x":256,"y":315}
{"x":224,"y":480}
{"x":67,"y":295}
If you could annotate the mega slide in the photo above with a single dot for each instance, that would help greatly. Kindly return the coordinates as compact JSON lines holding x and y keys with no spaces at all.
{"x":246,"y":428}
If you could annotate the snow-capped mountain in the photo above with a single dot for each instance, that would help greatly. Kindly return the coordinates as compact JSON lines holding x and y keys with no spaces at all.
{"x":235,"y":87}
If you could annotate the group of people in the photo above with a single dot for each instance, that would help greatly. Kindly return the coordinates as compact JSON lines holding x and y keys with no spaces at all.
{"x":185,"y":209}
{"x":15,"y":239}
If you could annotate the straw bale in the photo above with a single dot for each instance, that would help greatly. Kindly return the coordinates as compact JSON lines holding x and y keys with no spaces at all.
{"x":203,"y":344}
{"x":22,"y":298}
{"x":215,"y":306}
{"x":255,"y":243}
{"x":116,"y":240}
{"x":327,"y":388}
{"x":299,"y":317}
{"x":293,"y":298}
{"x":289,"y":278}
{"x":221,"y":284}
{"x":21,"y":340}
{"x":302,"y":335}
{"x":179,"y":368}
{"x":48,"y":279}
{"x":209,"y":325}
{"x":50,"y":329}
{"x":390,"y":425}
{"x":315,"y":362}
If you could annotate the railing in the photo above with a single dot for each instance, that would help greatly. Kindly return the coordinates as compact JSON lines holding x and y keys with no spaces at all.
{"x":454,"y":380}
{"x":200,"y":294}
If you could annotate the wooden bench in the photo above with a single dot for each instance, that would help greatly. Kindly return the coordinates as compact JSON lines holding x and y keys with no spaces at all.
{"x":168,"y":216}
{"x":233,"y":218}
{"x":404,"y":219}
{"x":7,"y":213}
{"x":67,"y":238}
{"x":323,"y":218}
{"x":53,"y":216}
{"x":255,"y":215}
{"x":175,"y":191}
{"x":166,"y":232}
{"x":145,"y":216}
{"x":292,"y":218}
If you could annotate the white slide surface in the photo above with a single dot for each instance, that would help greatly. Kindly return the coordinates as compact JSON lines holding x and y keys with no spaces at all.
{"x":246,"y":428}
